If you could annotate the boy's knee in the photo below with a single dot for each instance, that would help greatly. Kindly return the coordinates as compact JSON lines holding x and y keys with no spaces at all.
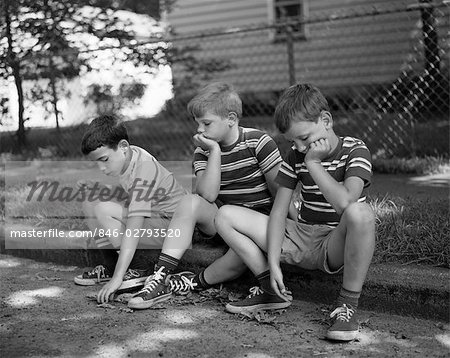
{"x":89,"y":208}
{"x":360,"y":214}
{"x":224,"y":217}
{"x":102,"y":209}
{"x":191,"y":203}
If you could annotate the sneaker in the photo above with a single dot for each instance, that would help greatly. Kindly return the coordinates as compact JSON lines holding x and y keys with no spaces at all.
{"x":182,"y":283}
{"x":99,"y":274}
{"x":155,"y":290}
{"x":257,"y":300}
{"x":345,"y":326}
{"x":133,"y":279}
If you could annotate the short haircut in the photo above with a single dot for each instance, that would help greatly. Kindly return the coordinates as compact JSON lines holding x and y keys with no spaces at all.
{"x":300,"y":102}
{"x":105,"y":130}
{"x":218,"y":98}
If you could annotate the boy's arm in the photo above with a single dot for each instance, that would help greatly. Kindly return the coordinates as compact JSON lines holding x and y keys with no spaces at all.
{"x":127,"y":249}
{"x":270,"y":179}
{"x":338,"y":195}
{"x":208,"y":180}
{"x":275,"y":234}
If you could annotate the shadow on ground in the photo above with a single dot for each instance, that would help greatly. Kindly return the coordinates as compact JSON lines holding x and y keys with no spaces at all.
{"x":45,"y":314}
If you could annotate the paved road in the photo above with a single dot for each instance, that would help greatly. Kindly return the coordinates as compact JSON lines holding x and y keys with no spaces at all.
{"x":421,"y":187}
{"x":44,"y":314}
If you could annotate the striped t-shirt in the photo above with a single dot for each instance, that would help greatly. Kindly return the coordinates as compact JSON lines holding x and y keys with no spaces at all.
{"x":350,"y":158}
{"x":243,"y":165}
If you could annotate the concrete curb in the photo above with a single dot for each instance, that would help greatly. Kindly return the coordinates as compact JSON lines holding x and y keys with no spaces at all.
{"x":419,"y":291}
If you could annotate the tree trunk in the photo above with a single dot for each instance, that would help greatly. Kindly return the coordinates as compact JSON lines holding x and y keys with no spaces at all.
{"x":14,"y":63}
{"x":54,"y":92}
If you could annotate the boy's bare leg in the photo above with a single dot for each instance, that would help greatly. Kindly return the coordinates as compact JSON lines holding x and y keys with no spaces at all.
{"x":225,"y":268}
{"x":107,"y":216}
{"x":244,"y":230}
{"x":111,"y":216}
{"x":193,"y":210}
{"x":352,"y":245}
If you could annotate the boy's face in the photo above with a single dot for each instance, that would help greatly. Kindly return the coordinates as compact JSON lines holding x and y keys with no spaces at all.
{"x":302,"y":133}
{"x":111,"y":162}
{"x":214,"y":127}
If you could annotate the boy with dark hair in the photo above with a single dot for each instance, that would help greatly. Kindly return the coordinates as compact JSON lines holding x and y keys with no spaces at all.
{"x":147,"y":200}
{"x":233,"y":165}
{"x":335,"y":229}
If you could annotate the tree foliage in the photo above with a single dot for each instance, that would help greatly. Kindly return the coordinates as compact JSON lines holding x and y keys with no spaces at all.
{"x":59,"y":39}
{"x":52,"y":41}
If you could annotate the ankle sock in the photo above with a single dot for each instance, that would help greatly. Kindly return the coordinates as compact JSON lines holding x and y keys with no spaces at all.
{"x":199,"y":279}
{"x":264,"y":281}
{"x":348,"y":297}
{"x":170,"y":263}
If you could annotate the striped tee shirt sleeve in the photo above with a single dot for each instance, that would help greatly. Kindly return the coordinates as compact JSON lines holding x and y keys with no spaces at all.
{"x":286,"y":176}
{"x":267,"y":153}
{"x":359,"y":163}
{"x":200,"y":160}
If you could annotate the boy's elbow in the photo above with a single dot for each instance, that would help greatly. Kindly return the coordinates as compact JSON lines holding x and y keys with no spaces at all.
{"x":207,"y":196}
{"x":342,"y":206}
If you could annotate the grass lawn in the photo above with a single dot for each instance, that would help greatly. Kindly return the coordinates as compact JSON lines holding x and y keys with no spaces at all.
{"x":408,"y":230}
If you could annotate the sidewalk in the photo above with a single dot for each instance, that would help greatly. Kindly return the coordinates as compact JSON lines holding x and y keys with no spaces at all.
{"x":420,"y":291}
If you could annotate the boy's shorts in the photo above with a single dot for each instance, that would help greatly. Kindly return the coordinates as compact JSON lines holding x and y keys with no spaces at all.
{"x":306,"y":246}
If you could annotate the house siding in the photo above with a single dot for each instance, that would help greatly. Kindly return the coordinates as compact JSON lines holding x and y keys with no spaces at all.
{"x":335,"y":53}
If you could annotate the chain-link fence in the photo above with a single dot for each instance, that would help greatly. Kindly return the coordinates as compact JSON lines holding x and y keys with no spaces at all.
{"x":384,"y":72}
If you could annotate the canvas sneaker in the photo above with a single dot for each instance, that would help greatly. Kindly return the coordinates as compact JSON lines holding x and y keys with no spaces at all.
{"x":345,"y":326}
{"x":155,"y":290}
{"x":182,"y":283}
{"x":257,"y":300}
{"x":99,"y":274}
{"x":133,"y":279}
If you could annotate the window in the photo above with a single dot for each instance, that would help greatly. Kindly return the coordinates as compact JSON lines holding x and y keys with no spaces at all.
{"x":287,"y":11}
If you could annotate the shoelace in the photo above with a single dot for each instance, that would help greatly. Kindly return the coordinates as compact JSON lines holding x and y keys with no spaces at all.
{"x":152,"y":281}
{"x":343,"y":313}
{"x":254,"y":291}
{"x":99,"y":271}
{"x":130,"y":274}
{"x":182,"y":284}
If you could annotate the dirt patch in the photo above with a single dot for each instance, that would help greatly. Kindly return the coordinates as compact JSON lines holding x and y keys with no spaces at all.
{"x":44,"y":314}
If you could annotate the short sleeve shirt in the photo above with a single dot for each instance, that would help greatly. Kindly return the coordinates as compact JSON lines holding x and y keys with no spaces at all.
{"x":243,"y":166}
{"x":350,"y":158}
{"x":152,"y":189}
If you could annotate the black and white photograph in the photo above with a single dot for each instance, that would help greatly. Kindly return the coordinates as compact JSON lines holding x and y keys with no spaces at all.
{"x":224,"y":178}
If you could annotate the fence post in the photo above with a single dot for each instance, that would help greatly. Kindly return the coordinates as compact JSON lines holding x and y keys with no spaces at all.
{"x":290,"y":53}
{"x":430,"y":37}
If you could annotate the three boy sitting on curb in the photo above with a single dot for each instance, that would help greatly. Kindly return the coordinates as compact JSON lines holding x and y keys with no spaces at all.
{"x":237,"y":170}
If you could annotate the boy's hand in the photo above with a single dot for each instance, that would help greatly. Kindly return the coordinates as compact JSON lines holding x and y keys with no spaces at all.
{"x":318,"y":150}
{"x":84,"y":185}
{"x":108,"y":290}
{"x":276,"y":280}
{"x":205,"y":143}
